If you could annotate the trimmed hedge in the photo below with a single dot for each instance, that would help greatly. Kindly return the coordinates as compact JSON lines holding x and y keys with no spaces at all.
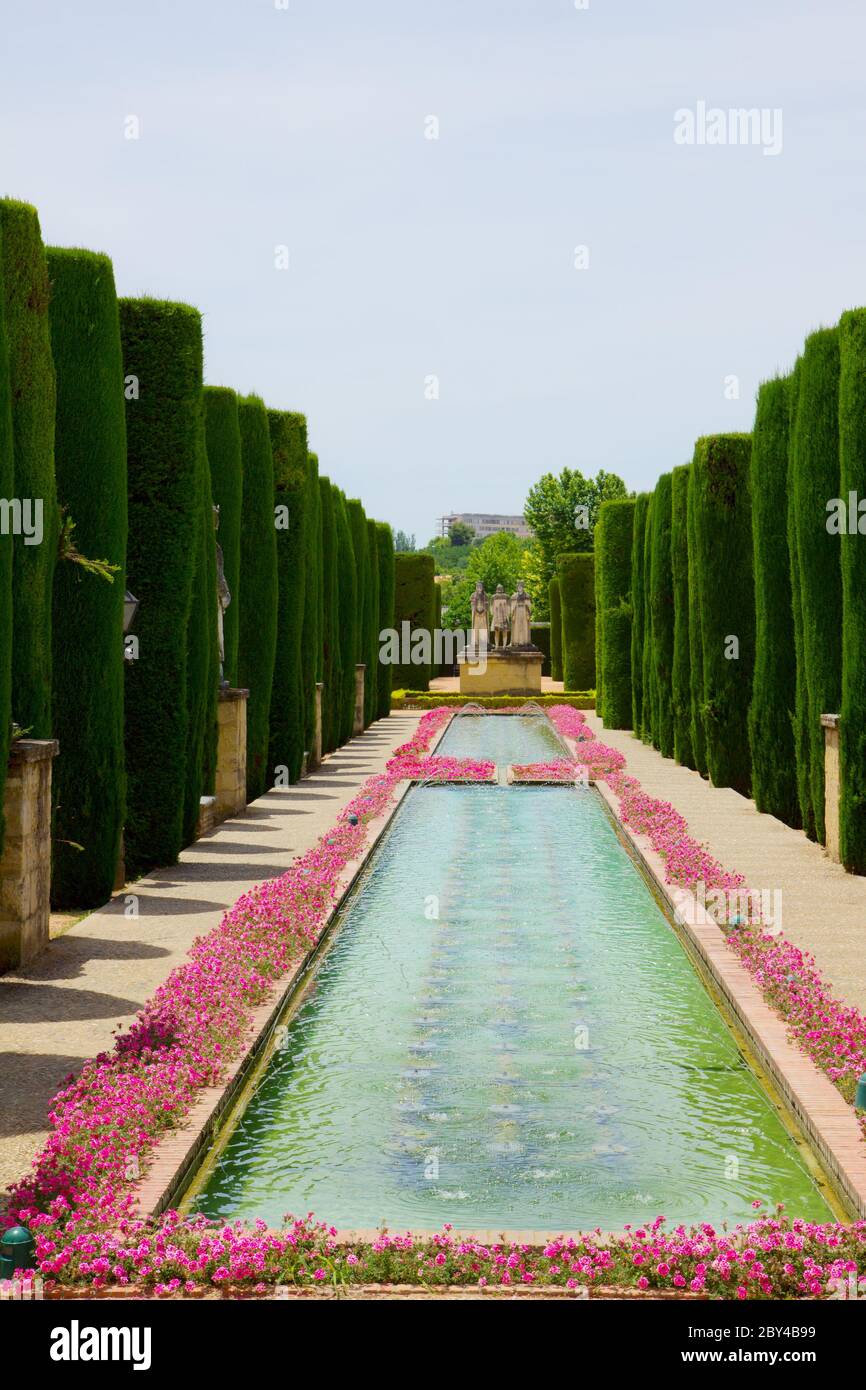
{"x":852,"y":457}
{"x":638,"y":611}
{"x":162,"y":350}
{"x":202,"y":669}
{"x":614,"y":535}
{"x":723,"y":547}
{"x":371,"y":656}
{"x":577,"y":599}
{"x":332,"y":668}
{"x":223,"y":443}
{"x":662,"y":608}
{"x":288,"y":432}
{"x":7,"y":489}
{"x":555,"y":629}
{"x":363,"y":616}
{"x":800,"y":722}
{"x":88,"y":785}
{"x":771,"y":712}
{"x":414,"y":602}
{"x":648,"y":669}
{"x":599,"y":631}
{"x":347,"y":588}
{"x":32,"y":389}
{"x":815,"y":478}
{"x":311,"y":636}
{"x":386,"y":613}
{"x":696,"y":636}
{"x":257,"y":638}
{"x":681,"y":689}
{"x":539,"y":634}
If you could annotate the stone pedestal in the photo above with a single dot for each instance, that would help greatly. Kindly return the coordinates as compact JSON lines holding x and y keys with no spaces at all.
{"x":25,"y":868}
{"x":358,"y":725}
{"x":832,"y":784}
{"x":231,"y":773}
{"x":314,"y":757}
{"x":508,"y":671}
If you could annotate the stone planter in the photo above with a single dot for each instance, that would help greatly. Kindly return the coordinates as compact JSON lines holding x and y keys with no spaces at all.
{"x":358,"y":725}
{"x":832,"y":784}
{"x":231,"y":775}
{"x":25,"y":867}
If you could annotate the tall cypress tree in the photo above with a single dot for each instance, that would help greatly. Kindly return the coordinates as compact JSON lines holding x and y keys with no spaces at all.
{"x":26,"y":293}
{"x":89,"y":780}
{"x":7,"y":489}
{"x":371,"y":680}
{"x":202,"y":670}
{"x":555,"y":629}
{"x":311,"y":636}
{"x":696,"y":635}
{"x":386,"y":612}
{"x":648,"y":670}
{"x":662,"y":606}
{"x":681,"y":690}
{"x":332,"y":667}
{"x":358,"y":528}
{"x":257,"y":638}
{"x":614,"y":533}
{"x":852,"y":731}
{"x":577,"y":599}
{"x":223,"y":443}
{"x":288,"y":432}
{"x":638,"y":620}
{"x":347,"y":588}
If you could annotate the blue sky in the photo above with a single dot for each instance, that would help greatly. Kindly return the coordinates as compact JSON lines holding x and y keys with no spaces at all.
{"x":305,"y":127}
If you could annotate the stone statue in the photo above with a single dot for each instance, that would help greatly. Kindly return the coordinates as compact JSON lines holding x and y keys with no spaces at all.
{"x":480,"y":612}
{"x":224,"y":598}
{"x":501,"y":617}
{"x":521,"y":612}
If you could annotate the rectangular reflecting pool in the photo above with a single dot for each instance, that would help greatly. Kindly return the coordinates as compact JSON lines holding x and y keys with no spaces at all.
{"x":506,"y":1033}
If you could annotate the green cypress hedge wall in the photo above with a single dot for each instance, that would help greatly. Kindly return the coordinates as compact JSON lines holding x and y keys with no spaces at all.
{"x":7,"y":489}
{"x":540,"y":635}
{"x":162,"y":351}
{"x":648,"y":670}
{"x":598,"y":566}
{"x":662,"y":606}
{"x":311,"y":636}
{"x":852,"y":729}
{"x":816,"y":474}
{"x":386,"y":612}
{"x":332,"y":660}
{"x":88,"y":784}
{"x":33,"y":395}
{"x":347,"y":586}
{"x":802,"y":742}
{"x":257,"y":638}
{"x":696,"y":636}
{"x":723,"y":535}
{"x":771,"y":712}
{"x":555,"y":629}
{"x":223,"y":443}
{"x":202,"y":668}
{"x":681,"y":689}
{"x":614,"y":535}
{"x":358,"y":528}
{"x":288,"y":431}
{"x":371,"y":679}
{"x":577,"y":599}
{"x":638,"y":610}
{"x":414,"y":602}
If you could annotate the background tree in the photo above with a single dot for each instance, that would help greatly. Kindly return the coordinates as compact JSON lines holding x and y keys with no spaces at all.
{"x":461,"y":533}
{"x":498,"y":560}
{"x":403,"y":542}
{"x":552,"y":510}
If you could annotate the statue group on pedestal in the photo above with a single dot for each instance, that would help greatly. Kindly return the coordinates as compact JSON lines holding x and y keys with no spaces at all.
{"x":507,"y":618}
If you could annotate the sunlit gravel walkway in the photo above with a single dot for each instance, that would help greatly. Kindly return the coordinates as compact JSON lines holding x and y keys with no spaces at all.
{"x":823,"y":907}
{"x":67,"y":1005}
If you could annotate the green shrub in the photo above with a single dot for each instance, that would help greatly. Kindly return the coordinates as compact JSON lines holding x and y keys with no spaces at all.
{"x":257,"y":636}
{"x":88,"y":784}
{"x":725,"y":583}
{"x":649,"y":726}
{"x":696,"y":643}
{"x":599,"y":630}
{"x":386,"y":612}
{"x":414,"y":603}
{"x":681,"y":690}
{"x":202,"y":667}
{"x":162,"y":362}
{"x":771,"y":712}
{"x":638,"y":611}
{"x":371,"y":656}
{"x":800,"y":722}
{"x":7,"y":490}
{"x":852,"y":729}
{"x":332,"y":668}
{"x":363,"y":616}
{"x":311,"y":636}
{"x":577,"y":600}
{"x":26,"y":293}
{"x":614,"y":536}
{"x":662,"y":608}
{"x":347,"y":587}
{"x":815,"y":461}
{"x":223,"y":442}
{"x":555,"y":629}
{"x":540,"y":636}
{"x":288,"y":431}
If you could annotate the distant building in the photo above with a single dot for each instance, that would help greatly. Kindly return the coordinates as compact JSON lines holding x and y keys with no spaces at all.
{"x":486,"y":524}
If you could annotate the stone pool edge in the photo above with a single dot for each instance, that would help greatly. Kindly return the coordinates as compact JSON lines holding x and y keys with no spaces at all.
{"x":826,"y":1119}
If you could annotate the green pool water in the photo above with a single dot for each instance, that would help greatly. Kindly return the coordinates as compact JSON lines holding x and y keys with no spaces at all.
{"x":506,"y":1033}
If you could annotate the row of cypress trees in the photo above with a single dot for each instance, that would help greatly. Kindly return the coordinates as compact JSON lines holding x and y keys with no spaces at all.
{"x":105,"y":424}
{"x":747,"y":596}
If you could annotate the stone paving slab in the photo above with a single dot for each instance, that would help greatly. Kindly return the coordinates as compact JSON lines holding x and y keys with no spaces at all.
{"x":95,"y":977}
{"x":823,"y":907}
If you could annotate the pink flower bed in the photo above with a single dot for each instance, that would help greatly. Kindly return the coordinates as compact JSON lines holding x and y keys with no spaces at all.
{"x":559,"y":770}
